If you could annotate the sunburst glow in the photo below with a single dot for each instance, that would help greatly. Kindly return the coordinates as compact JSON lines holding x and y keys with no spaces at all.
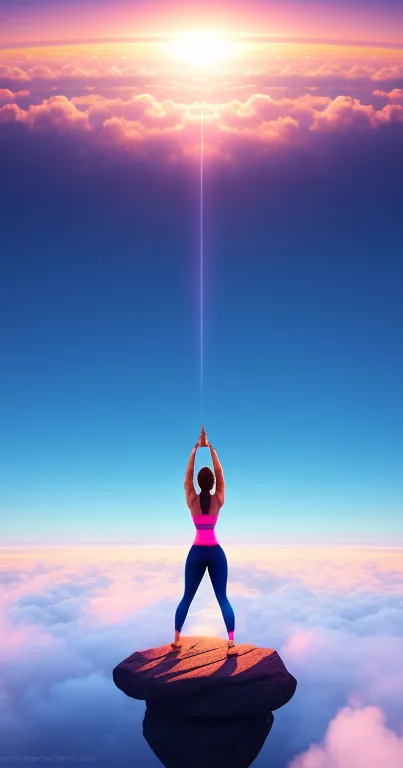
{"x":202,"y":48}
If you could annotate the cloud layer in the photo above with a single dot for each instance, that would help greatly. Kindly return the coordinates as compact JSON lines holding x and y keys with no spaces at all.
{"x":335,"y":616}
{"x":144,"y":125}
{"x":141,"y":104}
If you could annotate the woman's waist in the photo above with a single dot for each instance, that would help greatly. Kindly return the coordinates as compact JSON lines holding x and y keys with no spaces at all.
{"x":205,"y":536}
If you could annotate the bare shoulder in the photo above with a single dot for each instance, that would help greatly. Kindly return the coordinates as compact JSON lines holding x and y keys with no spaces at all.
{"x":214,"y":511}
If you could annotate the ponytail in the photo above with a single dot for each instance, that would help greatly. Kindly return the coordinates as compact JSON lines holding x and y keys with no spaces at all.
{"x":205,"y":501}
{"x":205,"y":478}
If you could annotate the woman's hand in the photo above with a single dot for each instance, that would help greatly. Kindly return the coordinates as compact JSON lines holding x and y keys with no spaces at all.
{"x":203,"y":442}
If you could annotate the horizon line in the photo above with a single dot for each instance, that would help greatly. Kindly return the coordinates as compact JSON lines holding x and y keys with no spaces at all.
{"x":349,"y":545}
{"x":171,"y":36}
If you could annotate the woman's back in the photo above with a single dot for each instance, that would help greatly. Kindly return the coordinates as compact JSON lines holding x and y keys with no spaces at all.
{"x":205,"y":522}
{"x":195,"y":508}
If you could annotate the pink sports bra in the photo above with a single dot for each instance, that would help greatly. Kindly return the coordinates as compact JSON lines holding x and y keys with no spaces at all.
{"x":205,"y":534}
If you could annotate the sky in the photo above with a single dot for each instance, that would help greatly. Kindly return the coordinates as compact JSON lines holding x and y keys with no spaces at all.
{"x":44,"y":20}
{"x":104,"y":110}
{"x":100,"y":147}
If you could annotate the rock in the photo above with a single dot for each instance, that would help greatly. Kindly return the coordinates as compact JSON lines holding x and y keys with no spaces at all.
{"x":200,"y":680}
{"x":180,"y":742}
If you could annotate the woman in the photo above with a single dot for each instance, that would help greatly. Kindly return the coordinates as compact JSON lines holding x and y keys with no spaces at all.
{"x":205,"y":552}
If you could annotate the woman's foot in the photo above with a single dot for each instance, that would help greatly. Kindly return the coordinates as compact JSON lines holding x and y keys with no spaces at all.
{"x":177,"y":643}
{"x":232,"y":650}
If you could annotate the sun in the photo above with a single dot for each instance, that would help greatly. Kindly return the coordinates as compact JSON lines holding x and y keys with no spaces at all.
{"x":203,"y":48}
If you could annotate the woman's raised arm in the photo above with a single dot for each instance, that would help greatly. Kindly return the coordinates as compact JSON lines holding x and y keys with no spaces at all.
{"x":189,"y":487}
{"x":219,"y":476}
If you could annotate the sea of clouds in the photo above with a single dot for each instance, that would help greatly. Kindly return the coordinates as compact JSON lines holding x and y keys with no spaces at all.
{"x":70,"y":614}
{"x":138,"y":103}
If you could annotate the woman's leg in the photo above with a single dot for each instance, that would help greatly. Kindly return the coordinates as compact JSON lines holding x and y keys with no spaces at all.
{"x":194,"y":570}
{"x":218,"y":572}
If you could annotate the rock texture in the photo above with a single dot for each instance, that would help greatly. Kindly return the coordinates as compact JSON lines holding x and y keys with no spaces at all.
{"x":200,"y":680}
{"x":198,"y":742}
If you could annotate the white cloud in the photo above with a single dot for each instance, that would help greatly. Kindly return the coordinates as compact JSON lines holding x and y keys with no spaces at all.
{"x":332,"y":615}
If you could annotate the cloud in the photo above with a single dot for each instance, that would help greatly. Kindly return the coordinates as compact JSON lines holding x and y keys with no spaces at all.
{"x":7,"y":96}
{"x":335,"y":616}
{"x":54,"y":68}
{"x":142,"y":124}
{"x":396,"y":95}
{"x":112,"y":72}
{"x":346,"y":113}
{"x":141,"y":66}
{"x":11,"y":72}
{"x":388,"y":73}
{"x":57,"y":113}
{"x":356,"y":738}
{"x":133,"y":101}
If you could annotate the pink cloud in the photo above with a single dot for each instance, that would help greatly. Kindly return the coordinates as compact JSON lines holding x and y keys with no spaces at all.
{"x":144,"y":124}
{"x":53,"y":68}
{"x":346,"y":113}
{"x":11,"y":72}
{"x":331,"y":70}
{"x":14,"y":639}
{"x":151,"y":113}
{"x":355,"y":738}
{"x":56,"y":113}
{"x":119,"y":600}
{"x":396,"y":95}
{"x":388,"y":73}
{"x":7,"y":96}
{"x":145,"y":67}
{"x":328,"y":69}
{"x":301,"y":643}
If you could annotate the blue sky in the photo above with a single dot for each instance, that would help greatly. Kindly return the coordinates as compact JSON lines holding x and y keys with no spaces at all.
{"x":99,"y":325}
{"x":99,"y":364}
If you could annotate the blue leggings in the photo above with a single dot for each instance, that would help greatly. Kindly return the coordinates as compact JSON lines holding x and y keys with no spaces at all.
{"x":199,"y":558}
